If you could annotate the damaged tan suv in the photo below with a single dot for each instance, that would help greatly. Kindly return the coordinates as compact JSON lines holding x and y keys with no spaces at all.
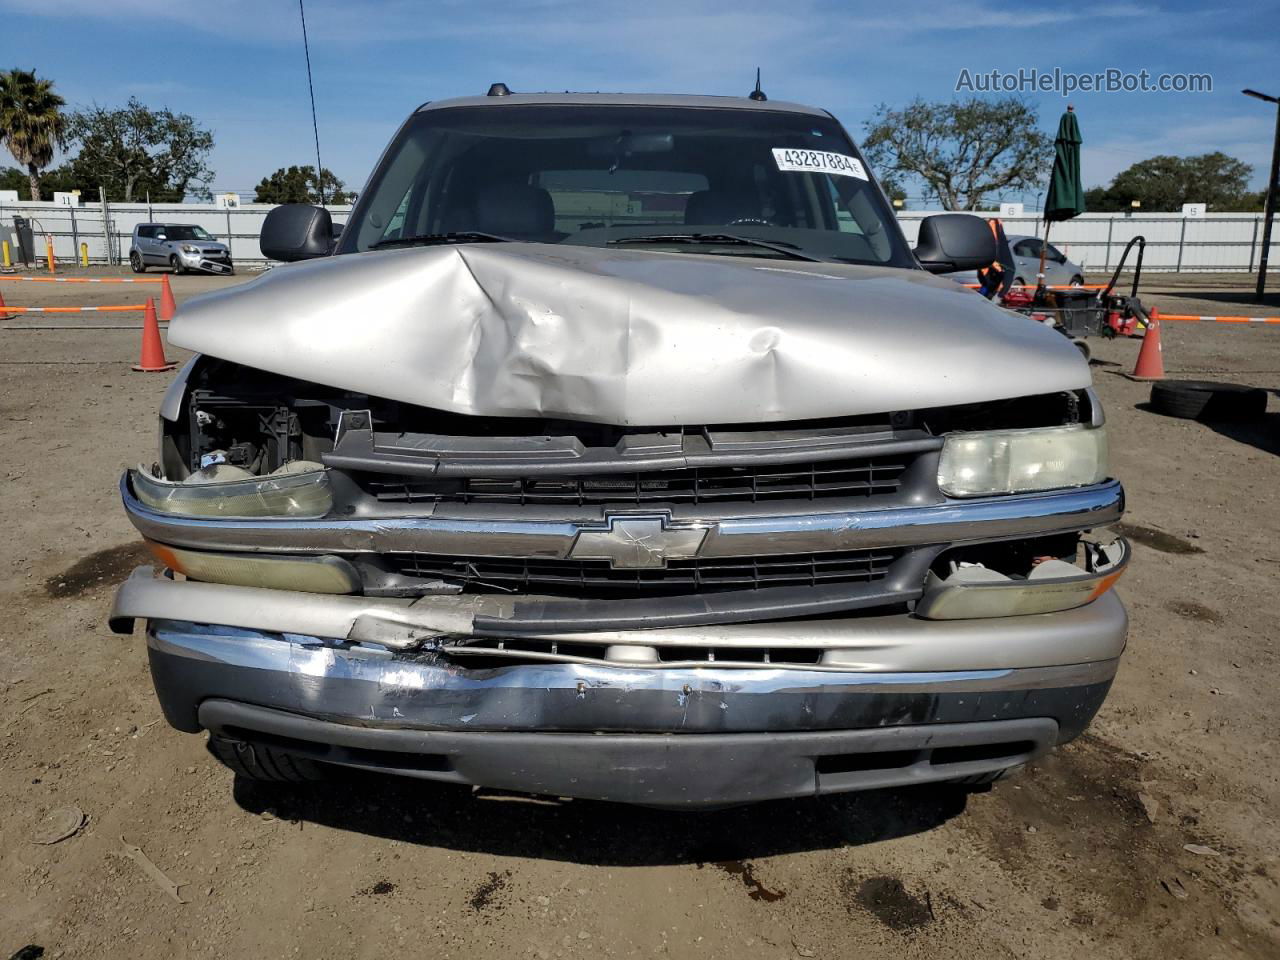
{"x":623,"y":449}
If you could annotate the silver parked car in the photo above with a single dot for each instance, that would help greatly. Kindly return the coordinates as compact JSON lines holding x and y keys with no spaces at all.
{"x":1025,"y":252}
{"x":179,"y":246}
{"x":621,"y":448}
{"x":1058,"y":270}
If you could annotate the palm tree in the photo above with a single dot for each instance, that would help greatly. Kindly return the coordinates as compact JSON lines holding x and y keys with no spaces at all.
{"x":31,"y":121}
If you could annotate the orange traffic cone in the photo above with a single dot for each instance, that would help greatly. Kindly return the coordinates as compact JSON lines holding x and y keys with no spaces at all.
{"x":167,"y":305}
{"x":152,"y":360}
{"x":1150,"y":365}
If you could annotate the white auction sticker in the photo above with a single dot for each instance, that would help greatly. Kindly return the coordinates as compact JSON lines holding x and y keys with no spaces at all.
{"x":793,"y":160}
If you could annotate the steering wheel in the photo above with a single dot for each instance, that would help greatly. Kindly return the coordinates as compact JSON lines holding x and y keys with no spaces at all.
{"x":759,"y":220}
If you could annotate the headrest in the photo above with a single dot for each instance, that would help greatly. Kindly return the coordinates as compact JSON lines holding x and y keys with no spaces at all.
{"x":514,"y":209}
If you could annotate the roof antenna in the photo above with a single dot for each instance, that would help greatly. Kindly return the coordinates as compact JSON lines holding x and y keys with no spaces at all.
{"x":757,"y":94}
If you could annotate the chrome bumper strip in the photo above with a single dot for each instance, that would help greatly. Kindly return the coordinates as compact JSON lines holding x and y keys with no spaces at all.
{"x":995,"y":518}
{"x":1094,"y":632}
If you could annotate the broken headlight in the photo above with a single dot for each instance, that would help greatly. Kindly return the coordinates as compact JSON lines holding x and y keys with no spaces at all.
{"x":976,"y":591}
{"x":1020,"y":461}
{"x":299,"y":489}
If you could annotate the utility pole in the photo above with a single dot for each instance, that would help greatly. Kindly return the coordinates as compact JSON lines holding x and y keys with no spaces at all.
{"x":106,"y":227}
{"x":1269,"y":208}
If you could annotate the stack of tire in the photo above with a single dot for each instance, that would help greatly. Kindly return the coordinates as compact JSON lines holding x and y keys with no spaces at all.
{"x":1208,"y":400}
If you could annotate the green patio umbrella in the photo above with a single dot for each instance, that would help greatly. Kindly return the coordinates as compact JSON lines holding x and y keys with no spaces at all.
{"x":1066,"y":195}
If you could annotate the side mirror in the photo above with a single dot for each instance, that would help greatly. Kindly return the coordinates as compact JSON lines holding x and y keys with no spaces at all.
{"x":955,"y":241}
{"x":296,"y":231}
{"x":161,"y":236}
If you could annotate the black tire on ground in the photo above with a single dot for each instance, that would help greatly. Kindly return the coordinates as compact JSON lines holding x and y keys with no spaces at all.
{"x":253,"y":761}
{"x":135,"y":261}
{"x":1208,"y":400}
{"x":176,"y":265}
{"x":1077,"y":281}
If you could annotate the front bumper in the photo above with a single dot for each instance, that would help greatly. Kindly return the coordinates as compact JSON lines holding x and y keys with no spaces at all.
{"x":209,"y":265}
{"x":675,"y":736}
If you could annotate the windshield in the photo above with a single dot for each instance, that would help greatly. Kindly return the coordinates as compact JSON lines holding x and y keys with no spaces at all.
{"x":178,"y":231}
{"x":697,"y":180}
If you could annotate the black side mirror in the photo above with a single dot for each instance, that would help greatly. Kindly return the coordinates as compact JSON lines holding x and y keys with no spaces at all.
{"x":955,"y":241}
{"x":296,"y":231}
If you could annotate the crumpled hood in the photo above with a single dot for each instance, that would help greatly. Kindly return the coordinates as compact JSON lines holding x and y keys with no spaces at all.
{"x":627,"y":337}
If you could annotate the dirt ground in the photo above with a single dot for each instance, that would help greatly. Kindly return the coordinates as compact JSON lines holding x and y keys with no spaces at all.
{"x":1154,"y":836}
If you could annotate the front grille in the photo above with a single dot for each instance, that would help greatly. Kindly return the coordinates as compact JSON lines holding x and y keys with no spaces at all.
{"x":585,"y":579}
{"x":752,"y":483}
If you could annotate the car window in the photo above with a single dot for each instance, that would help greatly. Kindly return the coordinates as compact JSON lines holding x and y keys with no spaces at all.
{"x":1054,"y":253}
{"x":597,"y":175}
{"x":1028,"y":248}
{"x":183,"y":231}
{"x":146,"y":232}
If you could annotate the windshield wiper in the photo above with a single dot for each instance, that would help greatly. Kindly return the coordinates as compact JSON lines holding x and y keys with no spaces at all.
{"x":786,"y":249}
{"x":430,"y":239}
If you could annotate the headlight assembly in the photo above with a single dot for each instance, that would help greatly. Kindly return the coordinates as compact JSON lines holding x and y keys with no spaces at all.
{"x":1020,"y":461}
{"x":300,"y":489}
{"x":323,"y":574}
{"x":187,"y":248}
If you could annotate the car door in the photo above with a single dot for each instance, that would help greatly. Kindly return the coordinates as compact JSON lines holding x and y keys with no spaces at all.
{"x":155,"y":246}
{"x":1026,"y":258}
{"x":1056,"y":271}
{"x":142,"y":243}
{"x":160,"y":245}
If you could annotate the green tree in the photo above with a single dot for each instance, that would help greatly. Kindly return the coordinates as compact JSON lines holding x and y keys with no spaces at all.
{"x":32,"y":125}
{"x":298,"y":185}
{"x":961,"y":149}
{"x":11,"y":178}
{"x":52,"y":180}
{"x":1165,"y":183}
{"x":134,"y":150}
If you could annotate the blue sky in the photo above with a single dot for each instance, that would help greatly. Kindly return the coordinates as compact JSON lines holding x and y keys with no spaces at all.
{"x":238,"y":65}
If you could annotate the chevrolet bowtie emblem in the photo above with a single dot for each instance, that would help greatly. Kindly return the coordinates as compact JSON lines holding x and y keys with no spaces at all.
{"x":632,"y":543}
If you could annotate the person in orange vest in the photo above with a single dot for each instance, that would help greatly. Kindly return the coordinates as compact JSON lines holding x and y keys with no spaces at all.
{"x":996,"y":279}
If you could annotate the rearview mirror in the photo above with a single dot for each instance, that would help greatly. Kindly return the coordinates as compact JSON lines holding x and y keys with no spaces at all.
{"x":955,"y":241}
{"x":628,"y":143}
{"x":296,"y":231}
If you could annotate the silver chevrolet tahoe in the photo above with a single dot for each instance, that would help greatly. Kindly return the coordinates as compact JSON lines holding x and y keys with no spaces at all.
{"x":621,"y":448}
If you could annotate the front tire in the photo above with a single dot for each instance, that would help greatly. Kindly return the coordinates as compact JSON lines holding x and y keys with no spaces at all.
{"x":253,"y":761}
{"x":176,"y":265}
{"x":1077,"y":281}
{"x":135,"y":262}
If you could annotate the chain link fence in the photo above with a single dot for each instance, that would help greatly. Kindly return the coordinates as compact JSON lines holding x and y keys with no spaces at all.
{"x":1218,"y":242}
{"x":107,"y":233}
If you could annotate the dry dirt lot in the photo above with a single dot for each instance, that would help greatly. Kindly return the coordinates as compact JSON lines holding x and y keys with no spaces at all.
{"x":1084,"y":855}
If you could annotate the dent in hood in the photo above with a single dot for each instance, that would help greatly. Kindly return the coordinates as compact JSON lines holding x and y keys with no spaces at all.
{"x":628,"y":338}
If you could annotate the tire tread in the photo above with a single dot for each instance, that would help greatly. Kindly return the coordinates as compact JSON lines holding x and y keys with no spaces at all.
{"x":255,"y":761}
